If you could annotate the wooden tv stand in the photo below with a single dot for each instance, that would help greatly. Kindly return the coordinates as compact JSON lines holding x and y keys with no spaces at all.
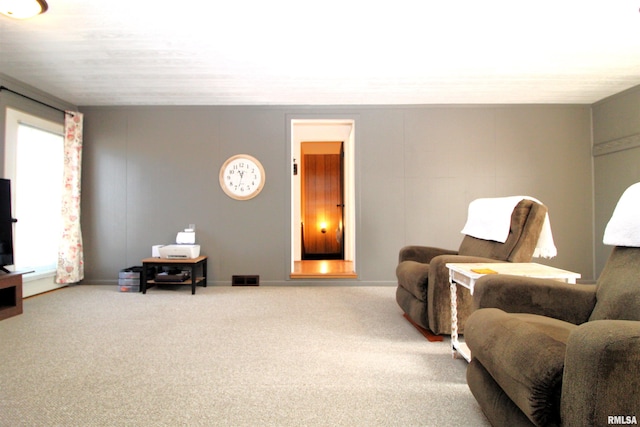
{"x":10,"y":295}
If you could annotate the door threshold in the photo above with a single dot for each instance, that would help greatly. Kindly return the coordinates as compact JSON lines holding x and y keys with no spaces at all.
{"x":323,"y":269}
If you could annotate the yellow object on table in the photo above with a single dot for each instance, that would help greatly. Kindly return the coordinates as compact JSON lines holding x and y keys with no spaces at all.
{"x":484,"y":271}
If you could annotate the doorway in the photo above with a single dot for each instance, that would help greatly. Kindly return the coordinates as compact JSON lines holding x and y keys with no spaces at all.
{"x":321,"y":184}
{"x":322,"y":199}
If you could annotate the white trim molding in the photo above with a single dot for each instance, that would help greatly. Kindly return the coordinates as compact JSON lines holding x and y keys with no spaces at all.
{"x":619,"y":144}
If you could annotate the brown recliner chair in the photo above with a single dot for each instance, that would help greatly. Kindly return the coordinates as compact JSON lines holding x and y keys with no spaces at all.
{"x":546,"y":353}
{"x":423,"y":278}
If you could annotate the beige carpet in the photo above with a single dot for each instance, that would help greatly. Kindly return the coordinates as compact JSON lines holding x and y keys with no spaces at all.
{"x":227,"y":356}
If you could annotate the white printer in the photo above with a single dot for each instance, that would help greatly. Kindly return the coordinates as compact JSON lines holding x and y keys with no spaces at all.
{"x":184,"y":248}
{"x":181,"y":251}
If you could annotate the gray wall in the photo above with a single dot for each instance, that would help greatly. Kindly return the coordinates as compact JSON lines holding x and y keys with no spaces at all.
{"x":150,"y":171}
{"x":616,"y":138}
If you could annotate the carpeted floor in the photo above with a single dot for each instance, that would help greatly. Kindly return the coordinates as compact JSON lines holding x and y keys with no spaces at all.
{"x":227,"y":356}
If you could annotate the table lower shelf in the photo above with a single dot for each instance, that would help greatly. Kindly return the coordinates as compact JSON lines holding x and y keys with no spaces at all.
{"x":10,"y":311}
{"x":184,"y":282}
{"x":200,"y":281}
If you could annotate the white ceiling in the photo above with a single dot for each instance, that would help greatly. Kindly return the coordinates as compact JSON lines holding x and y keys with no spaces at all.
{"x":334,"y":52}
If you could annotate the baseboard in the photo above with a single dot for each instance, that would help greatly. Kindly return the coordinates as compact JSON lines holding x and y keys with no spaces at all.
{"x":334,"y":282}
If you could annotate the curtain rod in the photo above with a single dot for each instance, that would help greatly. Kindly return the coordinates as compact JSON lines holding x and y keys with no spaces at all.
{"x":35,"y":100}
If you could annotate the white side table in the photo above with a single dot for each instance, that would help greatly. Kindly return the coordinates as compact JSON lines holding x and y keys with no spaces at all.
{"x":466,"y":274}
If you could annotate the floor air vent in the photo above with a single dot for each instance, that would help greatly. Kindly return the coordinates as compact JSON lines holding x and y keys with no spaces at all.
{"x":245,"y":280}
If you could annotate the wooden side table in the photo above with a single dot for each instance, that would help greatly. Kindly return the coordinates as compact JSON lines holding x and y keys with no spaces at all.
{"x":192,"y":264}
{"x":466,"y":274}
{"x":10,"y":295}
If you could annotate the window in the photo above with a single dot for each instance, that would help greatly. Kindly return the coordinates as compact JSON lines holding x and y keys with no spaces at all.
{"x":34,"y":161}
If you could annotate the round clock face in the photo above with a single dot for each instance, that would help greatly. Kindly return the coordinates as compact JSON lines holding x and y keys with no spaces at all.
{"x":242,"y":177}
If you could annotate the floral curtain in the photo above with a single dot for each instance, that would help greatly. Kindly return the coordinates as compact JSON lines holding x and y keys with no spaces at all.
{"x":70,"y":255}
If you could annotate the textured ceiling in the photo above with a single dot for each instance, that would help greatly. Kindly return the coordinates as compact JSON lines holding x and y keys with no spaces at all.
{"x":334,"y":52}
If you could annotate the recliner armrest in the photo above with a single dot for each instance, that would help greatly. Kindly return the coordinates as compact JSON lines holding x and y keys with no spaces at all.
{"x":545,"y":297}
{"x":439,"y":293}
{"x":601,"y":374}
{"x":423,"y":254}
{"x":438,"y":266}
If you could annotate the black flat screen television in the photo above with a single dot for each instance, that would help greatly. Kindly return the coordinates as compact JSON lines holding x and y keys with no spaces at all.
{"x":6,"y":225}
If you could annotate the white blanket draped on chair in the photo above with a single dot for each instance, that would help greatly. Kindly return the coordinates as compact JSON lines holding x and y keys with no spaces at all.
{"x":490,"y":219}
{"x":623,"y":228}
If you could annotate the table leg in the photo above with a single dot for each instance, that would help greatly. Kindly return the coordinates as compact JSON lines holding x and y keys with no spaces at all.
{"x":144,"y":279}
{"x":204,"y":272}
{"x":194,"y":279}
{"x":453,"y":287}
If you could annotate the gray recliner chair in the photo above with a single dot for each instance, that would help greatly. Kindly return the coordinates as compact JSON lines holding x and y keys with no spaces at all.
{"x":546,"y":353}
{"x":423,"y":279}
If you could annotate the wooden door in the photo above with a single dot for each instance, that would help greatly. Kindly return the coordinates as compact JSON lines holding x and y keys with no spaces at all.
{"x":322,"y":206}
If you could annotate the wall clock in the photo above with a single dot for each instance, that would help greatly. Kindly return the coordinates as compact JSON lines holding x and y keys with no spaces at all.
{"x":242,"y":177}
